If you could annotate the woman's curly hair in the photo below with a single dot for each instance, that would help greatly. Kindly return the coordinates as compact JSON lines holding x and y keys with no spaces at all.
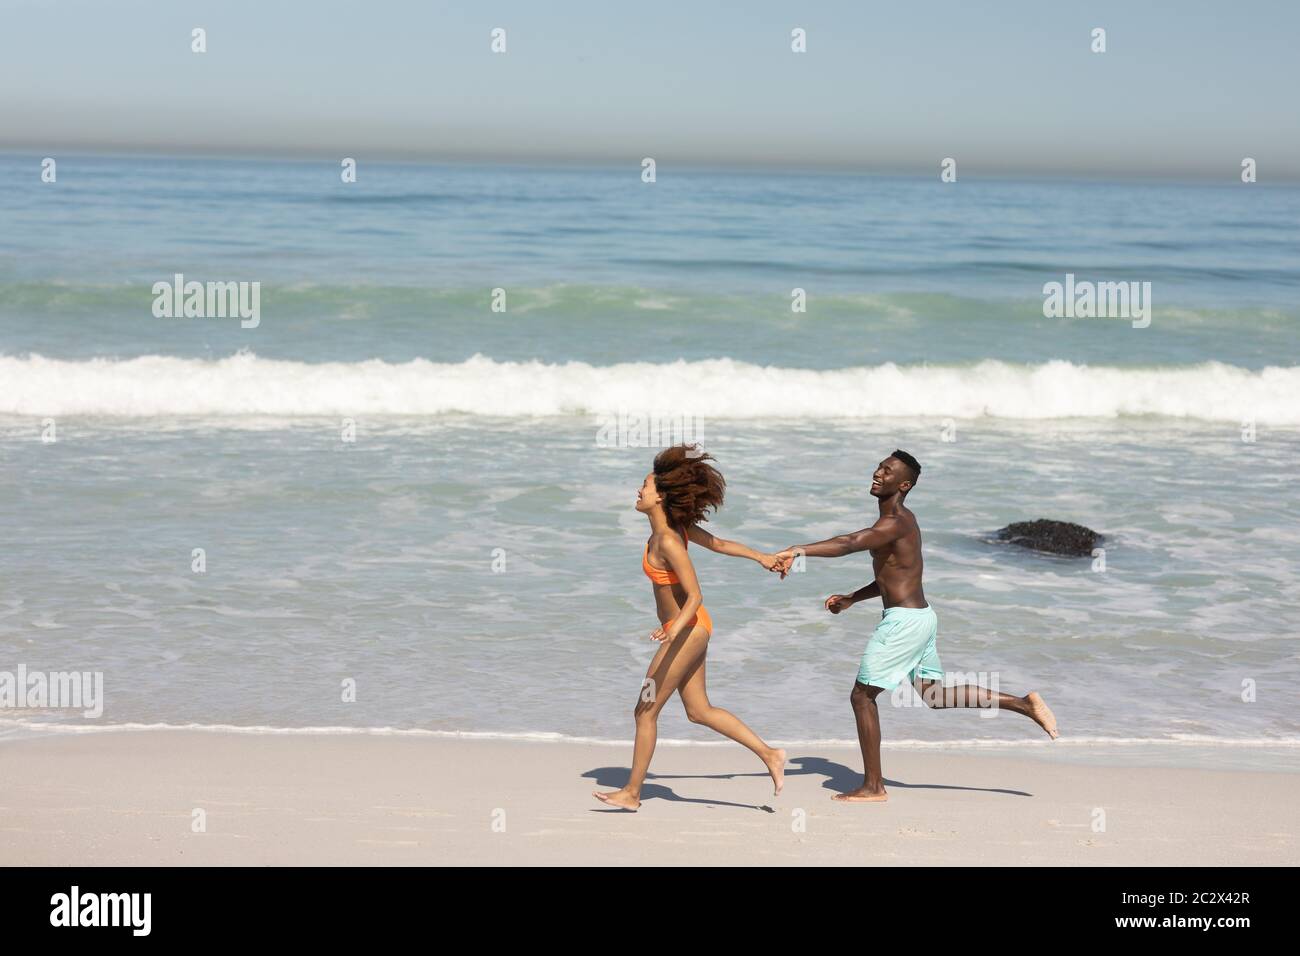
{"x":688,"y":484}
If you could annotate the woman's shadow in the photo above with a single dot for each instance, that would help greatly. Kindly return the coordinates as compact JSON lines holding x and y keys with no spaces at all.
{"x":615,"y":777}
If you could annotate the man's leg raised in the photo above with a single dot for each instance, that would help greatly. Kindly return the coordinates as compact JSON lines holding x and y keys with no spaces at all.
{"x":941,"y":696}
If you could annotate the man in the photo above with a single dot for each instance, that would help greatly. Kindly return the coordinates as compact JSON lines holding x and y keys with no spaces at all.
{"x":903,"y":645}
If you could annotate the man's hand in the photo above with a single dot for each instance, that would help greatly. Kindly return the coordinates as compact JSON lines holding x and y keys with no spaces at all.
{"x":839,"y":602}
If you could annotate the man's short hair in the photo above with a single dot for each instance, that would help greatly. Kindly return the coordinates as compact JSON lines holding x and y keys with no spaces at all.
{"x":912,"y":464}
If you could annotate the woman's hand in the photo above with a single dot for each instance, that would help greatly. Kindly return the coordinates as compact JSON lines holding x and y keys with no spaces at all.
{"x":768,"y":561}
{"x":839,"y":602}
{"x":662,"y":636}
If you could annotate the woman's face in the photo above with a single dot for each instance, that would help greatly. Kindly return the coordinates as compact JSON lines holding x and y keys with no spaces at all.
{"x":648,"y":496}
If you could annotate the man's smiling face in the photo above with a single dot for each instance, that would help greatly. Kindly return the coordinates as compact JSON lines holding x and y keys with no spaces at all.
{"x":890,"y":476}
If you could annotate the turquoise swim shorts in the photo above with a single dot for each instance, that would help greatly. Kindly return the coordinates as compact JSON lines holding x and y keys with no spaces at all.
{"x":902,"y":646}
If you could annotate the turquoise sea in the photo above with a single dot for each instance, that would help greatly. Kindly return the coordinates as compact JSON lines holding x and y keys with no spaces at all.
{"x":394,"y":483}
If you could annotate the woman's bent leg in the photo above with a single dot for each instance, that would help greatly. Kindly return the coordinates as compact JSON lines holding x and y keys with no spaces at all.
{"x":695,"y":698}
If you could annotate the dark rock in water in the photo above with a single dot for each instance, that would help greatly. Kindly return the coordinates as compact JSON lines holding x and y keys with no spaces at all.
{"x":1055,"y":537}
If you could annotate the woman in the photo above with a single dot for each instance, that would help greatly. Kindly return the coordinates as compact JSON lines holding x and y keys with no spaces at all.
{"x":675,"y":497}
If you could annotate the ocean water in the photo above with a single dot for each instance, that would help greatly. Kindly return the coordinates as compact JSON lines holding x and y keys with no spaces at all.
{"x":470,"y":559}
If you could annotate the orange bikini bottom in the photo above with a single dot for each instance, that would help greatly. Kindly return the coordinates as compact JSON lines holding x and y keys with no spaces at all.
{"x":701,"y":619}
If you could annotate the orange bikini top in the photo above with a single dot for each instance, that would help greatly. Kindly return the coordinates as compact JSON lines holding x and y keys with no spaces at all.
{"x":655,"y":574}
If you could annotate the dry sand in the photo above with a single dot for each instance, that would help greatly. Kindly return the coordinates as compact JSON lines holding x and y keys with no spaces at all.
{"x":129,"y":798}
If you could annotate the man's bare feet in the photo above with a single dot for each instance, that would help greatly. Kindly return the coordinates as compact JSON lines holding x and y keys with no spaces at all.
{"x":776,"y":767}
{"x":618,"y":798}
{"x":862,"y":795}
{"x":1041,"y":714}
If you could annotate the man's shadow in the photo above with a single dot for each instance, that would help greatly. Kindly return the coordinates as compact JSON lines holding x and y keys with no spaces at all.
{"x":839,"y":779}
{"x":842,"y":779}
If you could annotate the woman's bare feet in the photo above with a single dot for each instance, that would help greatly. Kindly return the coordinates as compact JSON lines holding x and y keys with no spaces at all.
{"x":1041,"y":714}
{"x":618,"y":798}
{"x":862,"y":795}
{"x":776,"y":767}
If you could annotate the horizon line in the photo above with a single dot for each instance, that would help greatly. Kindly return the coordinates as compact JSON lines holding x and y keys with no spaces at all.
{"x":397,"y":157}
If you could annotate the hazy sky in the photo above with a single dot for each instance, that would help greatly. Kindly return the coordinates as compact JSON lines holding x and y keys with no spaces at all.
{"x":1184,"y":89}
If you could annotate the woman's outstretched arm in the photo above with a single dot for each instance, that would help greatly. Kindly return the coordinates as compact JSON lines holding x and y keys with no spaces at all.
{"x":733,"y":548}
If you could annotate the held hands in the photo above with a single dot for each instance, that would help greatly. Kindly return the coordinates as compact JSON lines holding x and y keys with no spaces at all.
{"x":782,"y":562}
{"x":778,"y":562}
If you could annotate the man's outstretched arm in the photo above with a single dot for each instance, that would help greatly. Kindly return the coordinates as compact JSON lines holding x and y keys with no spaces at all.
{"x":881,"y":533}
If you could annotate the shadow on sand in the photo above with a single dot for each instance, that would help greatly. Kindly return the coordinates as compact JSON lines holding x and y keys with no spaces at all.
{"x":615,"y":777}
{"x":839,"y":779}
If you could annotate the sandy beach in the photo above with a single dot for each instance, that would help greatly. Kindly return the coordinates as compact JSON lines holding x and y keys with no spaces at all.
{"x":130,"y":798}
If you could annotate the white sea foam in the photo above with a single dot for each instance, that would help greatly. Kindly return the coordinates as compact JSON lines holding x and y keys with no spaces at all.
{"x":19,"y":727}
{"x":246,"y":385}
